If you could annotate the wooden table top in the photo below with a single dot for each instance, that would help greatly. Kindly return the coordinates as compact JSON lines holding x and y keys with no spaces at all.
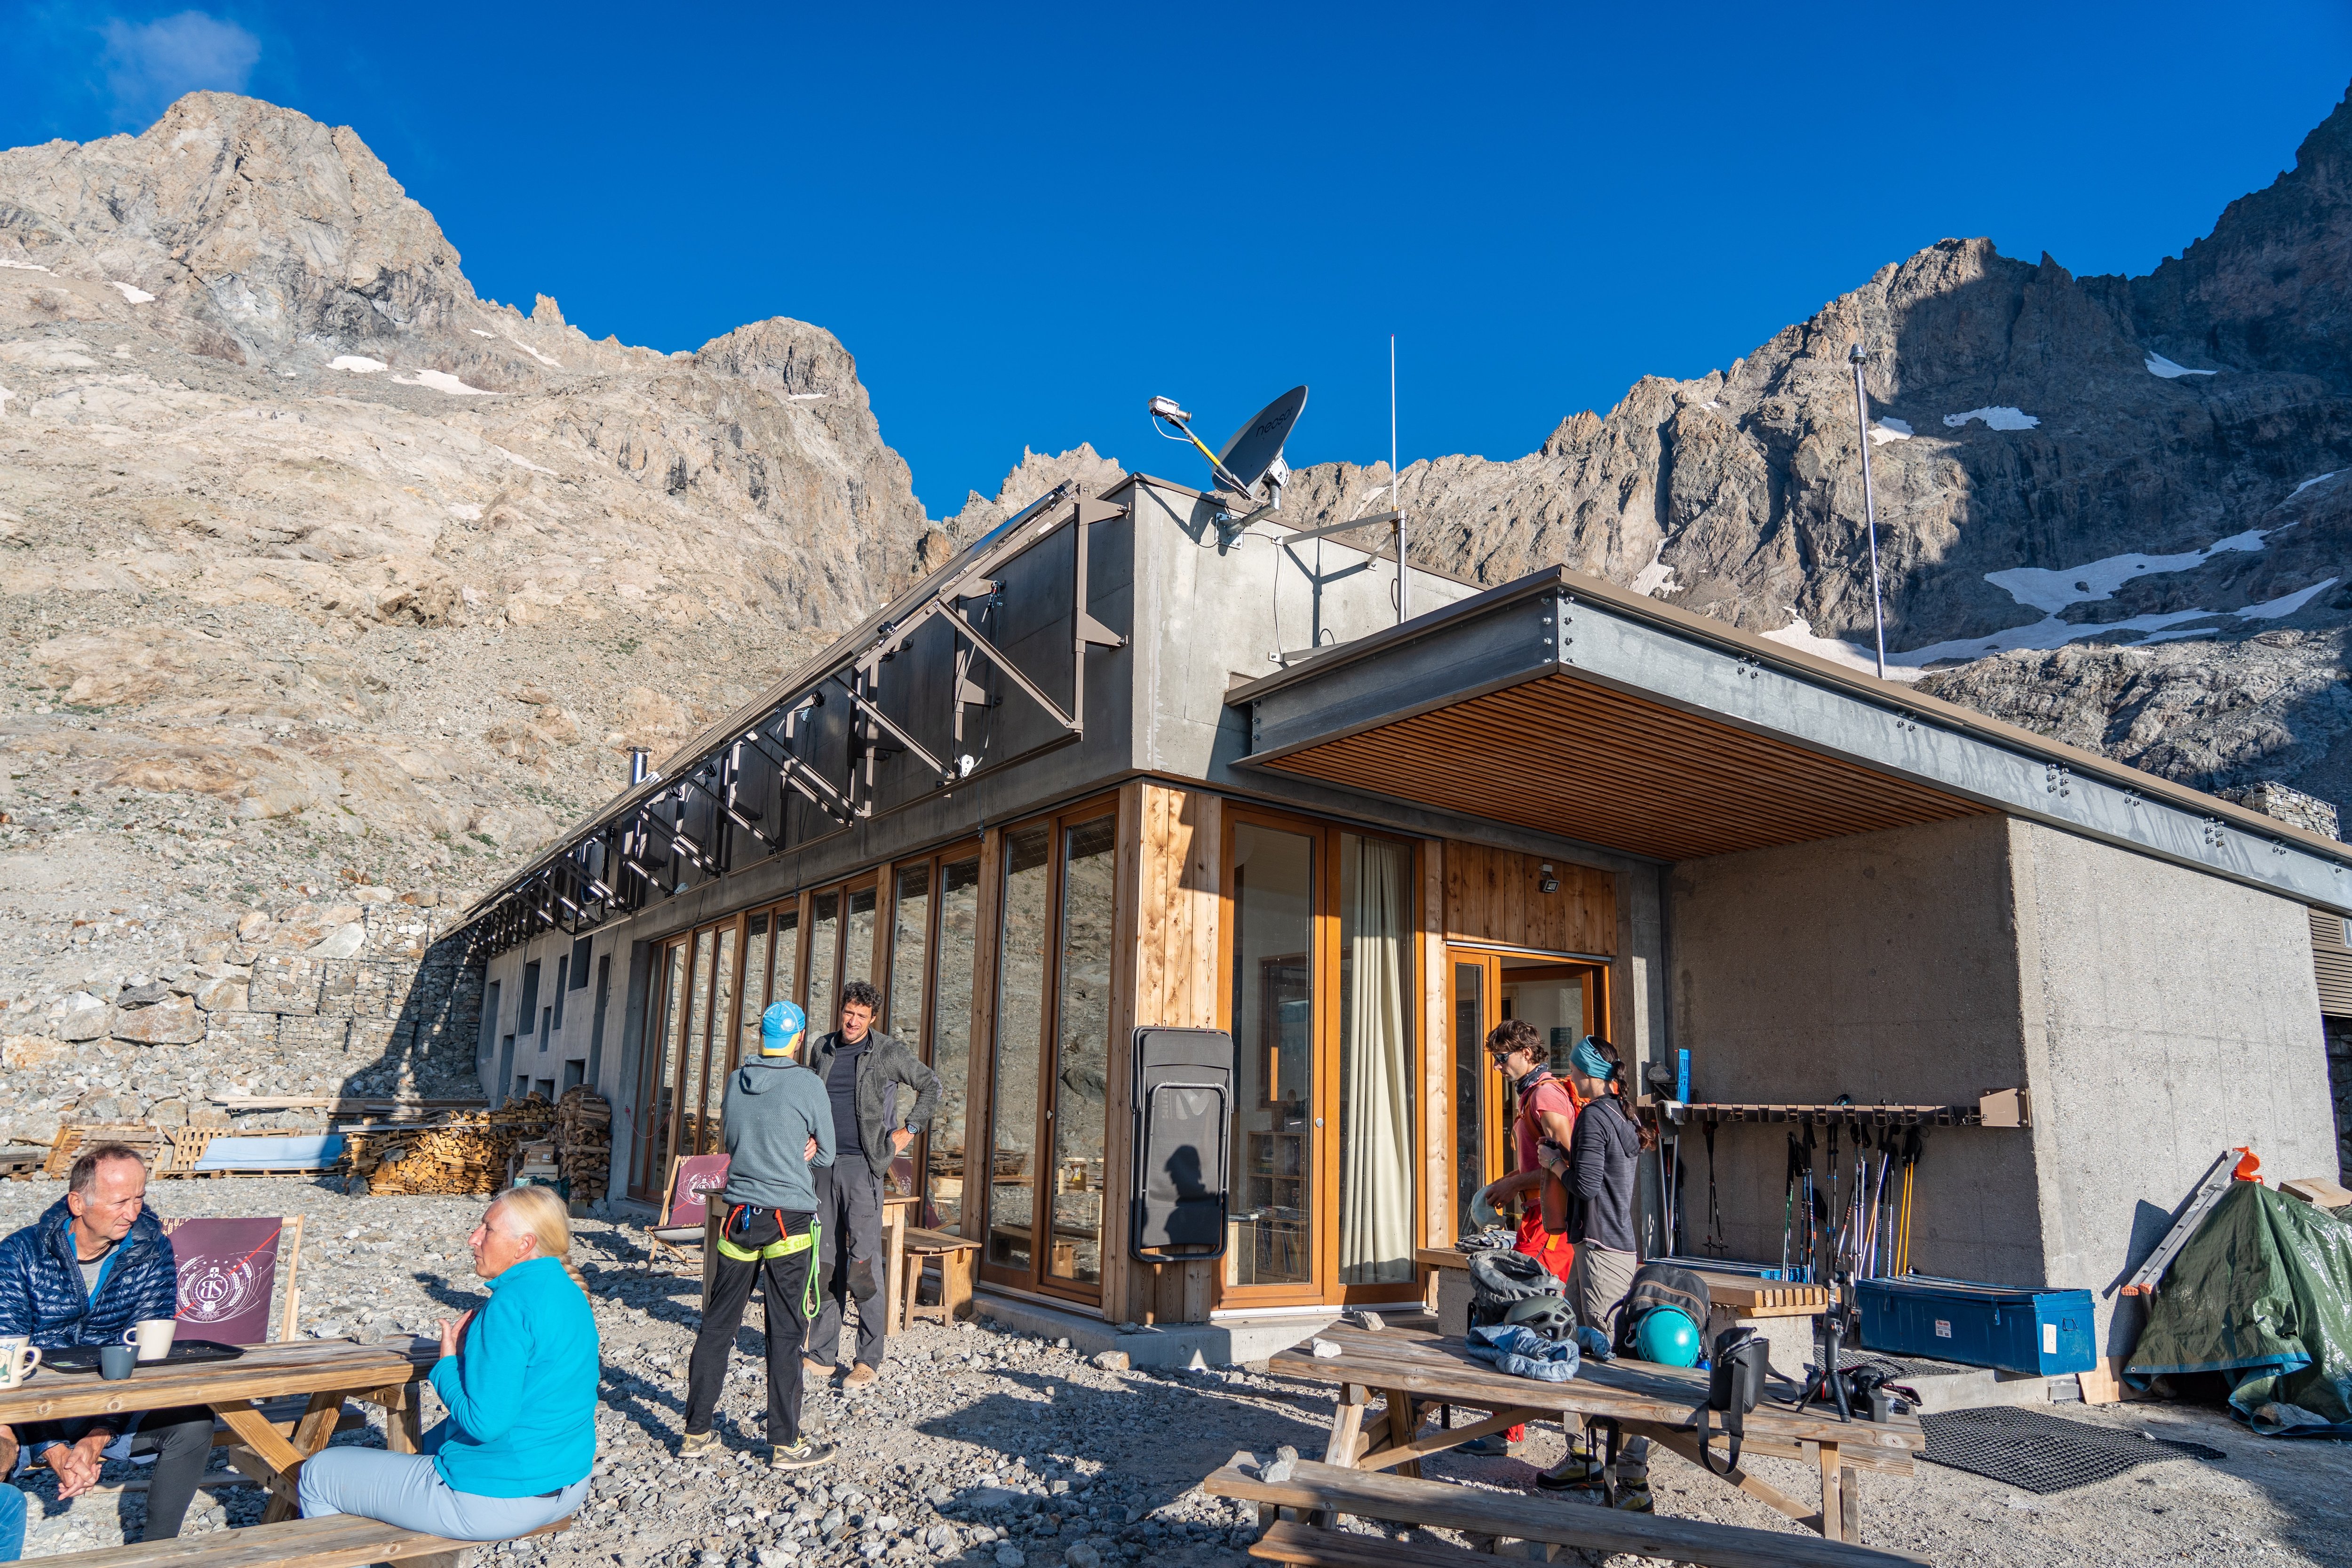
{"x":1435,"y":1368}
{"x":263,"y":1371}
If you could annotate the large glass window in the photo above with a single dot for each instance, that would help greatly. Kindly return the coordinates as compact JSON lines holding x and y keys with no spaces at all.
{"x":952,"y":1041}
{"x":1082,"y":1063}
{"x":722,"y":1031}
{"x":1470,"y":1072}
{"x":824,"y":947}
{"x":755,"y":986}
{"x":1376,"y":1098}
{"x":661,"y":1053}
{"x":858,"y":942}
{"x":1019,"y":1045}
{"x":697,"y":1042}
{"x":786,"y":962}
{"x":1274,"y":1024}
{"x":910,"y":932}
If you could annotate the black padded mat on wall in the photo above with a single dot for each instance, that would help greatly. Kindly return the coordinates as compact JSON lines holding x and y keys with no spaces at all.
{"x":1183,"y":1127}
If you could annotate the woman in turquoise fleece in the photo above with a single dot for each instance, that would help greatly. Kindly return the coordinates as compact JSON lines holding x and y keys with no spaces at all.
{"x":518,"y":1376}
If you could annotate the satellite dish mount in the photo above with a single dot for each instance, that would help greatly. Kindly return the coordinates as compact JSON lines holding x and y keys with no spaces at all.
{"x":1250,"y":465}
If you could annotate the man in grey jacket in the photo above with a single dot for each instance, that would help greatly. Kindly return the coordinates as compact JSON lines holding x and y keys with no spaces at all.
{"x":776,"y":1124}
{"x":865,"y":1073}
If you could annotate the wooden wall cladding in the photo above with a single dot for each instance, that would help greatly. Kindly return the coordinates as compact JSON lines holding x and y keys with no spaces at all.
{"x":1172,"y":853}
{"x":1496,"y":896}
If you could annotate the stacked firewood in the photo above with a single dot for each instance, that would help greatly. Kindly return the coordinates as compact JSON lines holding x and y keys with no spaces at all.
{"x":465,"y":1152}
{"x":583,"y":1141}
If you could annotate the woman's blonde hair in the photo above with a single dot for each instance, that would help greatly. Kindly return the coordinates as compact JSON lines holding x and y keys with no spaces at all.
{"x":539,"y":1211}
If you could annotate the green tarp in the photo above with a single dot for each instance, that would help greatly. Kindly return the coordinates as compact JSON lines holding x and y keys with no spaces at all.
{"x":2263,"y":1294}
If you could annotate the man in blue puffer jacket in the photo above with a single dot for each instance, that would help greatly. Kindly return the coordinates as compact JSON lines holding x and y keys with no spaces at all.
{"x":93,"y":1265}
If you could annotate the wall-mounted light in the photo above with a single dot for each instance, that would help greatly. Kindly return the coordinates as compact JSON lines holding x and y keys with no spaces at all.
{"x":1550,"y":884}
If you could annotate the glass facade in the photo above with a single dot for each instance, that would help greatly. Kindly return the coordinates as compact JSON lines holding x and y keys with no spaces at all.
{"x":1082,"y":1049}
{"x":1019,"y":1045}
{"x":952,"y":1043}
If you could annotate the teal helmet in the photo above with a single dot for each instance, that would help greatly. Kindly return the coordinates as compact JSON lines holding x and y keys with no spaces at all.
{"x":1667,"y":1337}
{"x":780,"y":1027}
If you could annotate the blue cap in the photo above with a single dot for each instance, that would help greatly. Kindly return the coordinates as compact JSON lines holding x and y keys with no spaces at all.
{"x":780,"y":1027}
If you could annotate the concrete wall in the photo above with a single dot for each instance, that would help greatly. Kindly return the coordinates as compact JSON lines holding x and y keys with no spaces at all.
{"x":2157,"y":1014}
{"x":1884,"y":966}
{"x":2168,"y":1015}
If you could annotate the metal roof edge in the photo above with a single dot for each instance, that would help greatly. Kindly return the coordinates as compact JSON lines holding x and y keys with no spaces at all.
{"x":1699,"y":628}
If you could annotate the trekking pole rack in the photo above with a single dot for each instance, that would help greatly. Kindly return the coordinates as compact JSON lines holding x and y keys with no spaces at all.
{"x":1995,"y":1108}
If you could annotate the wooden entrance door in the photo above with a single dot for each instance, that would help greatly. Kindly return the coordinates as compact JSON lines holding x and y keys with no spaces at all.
{"x":1563,"y":998}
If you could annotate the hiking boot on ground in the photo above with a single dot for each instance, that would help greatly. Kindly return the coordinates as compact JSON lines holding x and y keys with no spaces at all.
{"x":697,"y":1443}
{"x":861,"y":1377}
{"x":807,"y":1453}
{"x":812,"y":1367}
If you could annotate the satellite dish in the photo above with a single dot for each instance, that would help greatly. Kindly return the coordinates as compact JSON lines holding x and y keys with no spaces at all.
{"x":1255,"y":450}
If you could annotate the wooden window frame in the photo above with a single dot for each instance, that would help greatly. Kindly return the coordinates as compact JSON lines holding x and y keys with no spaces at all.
{"x":1038,"y":1281}
{"x":1325,"y":965}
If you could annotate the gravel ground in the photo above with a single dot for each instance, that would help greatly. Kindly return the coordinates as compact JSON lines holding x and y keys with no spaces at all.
{"x":986,"y":1446}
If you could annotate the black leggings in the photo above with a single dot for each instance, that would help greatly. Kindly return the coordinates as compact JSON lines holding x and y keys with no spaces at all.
{"x":785,"y":1281}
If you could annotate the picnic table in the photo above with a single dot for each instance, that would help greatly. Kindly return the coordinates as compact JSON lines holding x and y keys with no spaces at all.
{"x":325,"y":1372}
{"x":1414,"y":1372}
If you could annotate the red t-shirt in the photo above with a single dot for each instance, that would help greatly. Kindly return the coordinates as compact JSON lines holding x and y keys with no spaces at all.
{"x":1547,"y":1095}
{"x":1552,"y":1095}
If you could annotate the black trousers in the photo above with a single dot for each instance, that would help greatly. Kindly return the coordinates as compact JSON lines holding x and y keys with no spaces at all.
{"x":182,"y":1441}
{"x":783,"y":1284}
{"x":850,"y":1265}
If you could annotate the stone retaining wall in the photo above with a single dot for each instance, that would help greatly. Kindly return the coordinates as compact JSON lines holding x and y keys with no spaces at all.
{"x":376,"y":997}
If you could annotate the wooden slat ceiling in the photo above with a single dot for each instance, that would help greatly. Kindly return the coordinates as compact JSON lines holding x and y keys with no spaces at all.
{"x":1566,"y":756}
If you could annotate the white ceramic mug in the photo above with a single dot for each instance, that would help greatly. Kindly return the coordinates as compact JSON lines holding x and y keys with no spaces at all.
{"x":18,"y":1356}
{"x":152,"y":1336}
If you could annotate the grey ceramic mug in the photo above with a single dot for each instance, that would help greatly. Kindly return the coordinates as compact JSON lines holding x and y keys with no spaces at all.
{"x":115,"y":1361}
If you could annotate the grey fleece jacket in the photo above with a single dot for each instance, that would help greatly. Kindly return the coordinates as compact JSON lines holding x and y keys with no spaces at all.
{"x":887,"y":1064}
{"x":773,"y":1108}
{"x":1602,"y":1154}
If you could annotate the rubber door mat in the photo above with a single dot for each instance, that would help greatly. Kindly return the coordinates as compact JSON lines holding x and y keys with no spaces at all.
{"x":2041,"y":1453}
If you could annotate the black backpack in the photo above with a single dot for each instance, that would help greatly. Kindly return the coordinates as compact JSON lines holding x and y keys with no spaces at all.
{"x":1657,"y":1285}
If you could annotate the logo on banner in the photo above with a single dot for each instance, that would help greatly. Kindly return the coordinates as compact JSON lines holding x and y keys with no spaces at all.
{"x":213,"y":1291}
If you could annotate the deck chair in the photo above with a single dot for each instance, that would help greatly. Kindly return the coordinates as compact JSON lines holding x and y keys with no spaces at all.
{"x":228,"y":1271}
{"x":683,"y":1208}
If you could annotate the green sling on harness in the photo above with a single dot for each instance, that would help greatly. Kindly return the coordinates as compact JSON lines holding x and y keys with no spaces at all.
{"x":784,"y":1247}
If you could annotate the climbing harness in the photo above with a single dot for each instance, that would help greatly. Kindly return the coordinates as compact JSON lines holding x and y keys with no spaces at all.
{"x":739,"y":1217}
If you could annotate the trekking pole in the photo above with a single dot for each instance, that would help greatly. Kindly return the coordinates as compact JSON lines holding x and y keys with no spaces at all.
{"x":1789,"y":1207}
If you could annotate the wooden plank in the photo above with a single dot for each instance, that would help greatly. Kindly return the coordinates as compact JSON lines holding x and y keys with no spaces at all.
{"x":1415,"y":1449}
{"x":1496,"y":895}
{"x":1400,"y":1428}
{"x":269,"y":1372}
{"x":1131,"y":955}
{"x":336,"y":1540}
{"x":1687,"y":1445}
{"x":255,"y":1432}
{"x":1289,"y":1540}
{"x":311,"y":1434}
{"x":1373,"y":1495}
{"x":1427,"y":1365}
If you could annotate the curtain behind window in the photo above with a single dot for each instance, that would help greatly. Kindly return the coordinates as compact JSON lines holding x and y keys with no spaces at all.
{"x":1375,"y":1152}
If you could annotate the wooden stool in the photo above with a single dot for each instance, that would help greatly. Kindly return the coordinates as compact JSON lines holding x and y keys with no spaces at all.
{"x":956,"y":1257}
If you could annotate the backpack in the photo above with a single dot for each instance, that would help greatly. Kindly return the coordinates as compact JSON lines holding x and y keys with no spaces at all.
{"x":1657,"y":1285}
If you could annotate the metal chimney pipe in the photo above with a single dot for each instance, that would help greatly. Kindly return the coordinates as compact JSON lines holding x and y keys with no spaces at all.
{"x":637,"y":756}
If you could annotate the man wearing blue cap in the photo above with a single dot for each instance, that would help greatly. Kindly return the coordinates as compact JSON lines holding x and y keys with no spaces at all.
{"x":778,"y":1122}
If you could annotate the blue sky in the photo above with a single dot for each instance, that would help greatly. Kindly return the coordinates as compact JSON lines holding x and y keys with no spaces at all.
{"x":1025,"y":221}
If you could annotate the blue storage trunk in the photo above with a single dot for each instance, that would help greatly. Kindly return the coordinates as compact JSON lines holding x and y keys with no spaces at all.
{"x":2004,"y":1326}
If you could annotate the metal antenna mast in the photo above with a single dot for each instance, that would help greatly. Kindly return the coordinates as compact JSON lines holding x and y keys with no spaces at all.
{"x":1396,"y":496}
{"x":1869,"y":503}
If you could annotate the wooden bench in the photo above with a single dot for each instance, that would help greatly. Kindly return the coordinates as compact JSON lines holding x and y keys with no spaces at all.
{"x":1312,"y":1546}
{"x":338,"y":1541}
{"x":956,"y":1256}
{"x":1334,"y":1490}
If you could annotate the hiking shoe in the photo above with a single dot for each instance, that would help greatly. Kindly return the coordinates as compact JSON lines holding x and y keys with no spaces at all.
{"x":860,"y":1376}
{"x":1492,"y":1443}
{"x":812,"y":1367}
{"x":807,"y":1453}
{"x":697,"y":1443}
